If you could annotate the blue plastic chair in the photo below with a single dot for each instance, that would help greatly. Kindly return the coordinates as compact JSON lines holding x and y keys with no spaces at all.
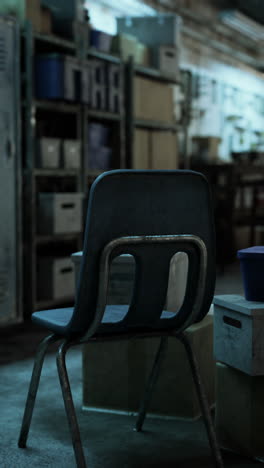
{"x":151,"y":215}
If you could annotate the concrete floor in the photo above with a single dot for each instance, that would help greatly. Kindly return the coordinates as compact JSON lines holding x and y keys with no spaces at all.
{"x":109,"y":440}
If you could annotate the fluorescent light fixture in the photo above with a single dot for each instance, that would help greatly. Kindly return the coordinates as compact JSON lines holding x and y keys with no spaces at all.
{"x":125,"y":7}
{"x":243,"y":24}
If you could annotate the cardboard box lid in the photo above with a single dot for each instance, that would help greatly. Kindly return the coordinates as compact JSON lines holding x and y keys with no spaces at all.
{"x":239,"y":304}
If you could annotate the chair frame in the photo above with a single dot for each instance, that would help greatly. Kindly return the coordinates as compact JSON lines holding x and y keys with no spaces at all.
{"x":90,"y":335}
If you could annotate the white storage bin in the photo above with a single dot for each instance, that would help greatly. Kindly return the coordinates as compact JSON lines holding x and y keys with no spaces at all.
{"x":239,"y":333}
{"x":168,"y":60}
{"x":71,"y":154}
{"x":161,"y":29}
{"x":55,"y":278}
{"x":48,"y":153}
{"x":60,"y":213}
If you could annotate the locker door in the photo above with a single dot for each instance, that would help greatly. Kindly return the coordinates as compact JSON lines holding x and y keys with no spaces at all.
{"x":10,"y":193}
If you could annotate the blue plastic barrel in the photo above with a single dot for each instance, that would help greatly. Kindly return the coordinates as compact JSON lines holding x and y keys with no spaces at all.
{"x":49,"y":77}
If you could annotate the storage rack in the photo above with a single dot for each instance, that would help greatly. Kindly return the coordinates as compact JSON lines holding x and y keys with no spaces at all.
{"x":132,"y":123}
{"x":37,"y":179}
{"x":115,"y":119}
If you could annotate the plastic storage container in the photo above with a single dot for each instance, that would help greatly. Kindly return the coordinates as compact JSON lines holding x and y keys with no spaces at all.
{"x":61,"y":77}
{"x":252,"y":268}
{"x":49,"y":74}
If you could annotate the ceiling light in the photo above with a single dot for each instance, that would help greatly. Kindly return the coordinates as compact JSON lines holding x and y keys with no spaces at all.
{"x":127,"y":7}
{"x":241,"y":23}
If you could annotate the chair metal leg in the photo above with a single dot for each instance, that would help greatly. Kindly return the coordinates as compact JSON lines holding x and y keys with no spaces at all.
{"x":33,"y":388}
{"x":203,"y":401}
{"x":151,"y":383}
{"x":69,"y":406}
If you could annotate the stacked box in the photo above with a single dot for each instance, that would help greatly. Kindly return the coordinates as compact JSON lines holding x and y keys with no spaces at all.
{"x":153,"y":31}
{"x":124,"y":45}
{"x":141,"y":149}
{"x":163,"y":151}
{"x":45,"y":20}
{"x":239,"y":411}
{"x":99,"y":154}
{"x":59,"y":213}
{"x":239,"y":348}
{"x":71,"y":154}
{"x":174,"y":394}
{"x":55,"y":278}
{"x":155,"y":150}
{"x":206,"y":148}
{"x":48,"y":153}
{"x":166,"y":59}
{"x":153,"y":100}
{"x":128,"y":363}
{"x":100,"y":40}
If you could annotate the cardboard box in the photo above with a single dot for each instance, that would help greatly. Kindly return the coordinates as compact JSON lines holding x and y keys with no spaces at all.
{"x":152,"y":100}
{"x":239,"y":411}
{"x":167,"y":60}
{"x":205,"y":148}
{"x":55,"y":279}
{"x":238,"y":333}
{"x":124,"y":45}
{"x":45,"y":20}
{"x":59,"y":213}
{"x":142,"y":56}
{"x":33,"y":13}
{"x":24,"y":10}
{"x":126,"y":365}
{"x":163,"y":150}
{"x":141,"y":149}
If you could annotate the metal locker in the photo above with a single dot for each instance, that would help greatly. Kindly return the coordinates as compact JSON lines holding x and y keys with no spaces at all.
{"x":10,"y":174}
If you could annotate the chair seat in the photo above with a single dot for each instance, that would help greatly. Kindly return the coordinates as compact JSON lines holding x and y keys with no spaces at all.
{"x":56,"y":320}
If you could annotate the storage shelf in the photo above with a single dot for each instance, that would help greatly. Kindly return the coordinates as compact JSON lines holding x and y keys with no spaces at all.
{"x":154,"y":124}
{"x":103,"y":115}
{"x":104,"y":56}
{"x":53,"y":238}
{"x":95,"y":172}
{"x":50,"y":303}
{"x":56,"y":172}
{"x":156,"y":74}
{"x":56,"y":106}
{"x":55,"y":40}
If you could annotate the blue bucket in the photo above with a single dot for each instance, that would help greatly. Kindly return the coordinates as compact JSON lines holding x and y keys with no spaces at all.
{"x":252,"y":268}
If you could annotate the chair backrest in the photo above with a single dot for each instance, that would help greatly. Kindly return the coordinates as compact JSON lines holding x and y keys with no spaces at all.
{"x":145,"y":203}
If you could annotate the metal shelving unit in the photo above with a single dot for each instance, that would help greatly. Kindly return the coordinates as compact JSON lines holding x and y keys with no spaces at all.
{"x":155,"y":125}
{"x":156,"y":74}
{"x":94,"y":53}
{"x":115,"y":120}
{"x":36,"y":111}
{"x":40,"y":179}
{"x":122,"y":125}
